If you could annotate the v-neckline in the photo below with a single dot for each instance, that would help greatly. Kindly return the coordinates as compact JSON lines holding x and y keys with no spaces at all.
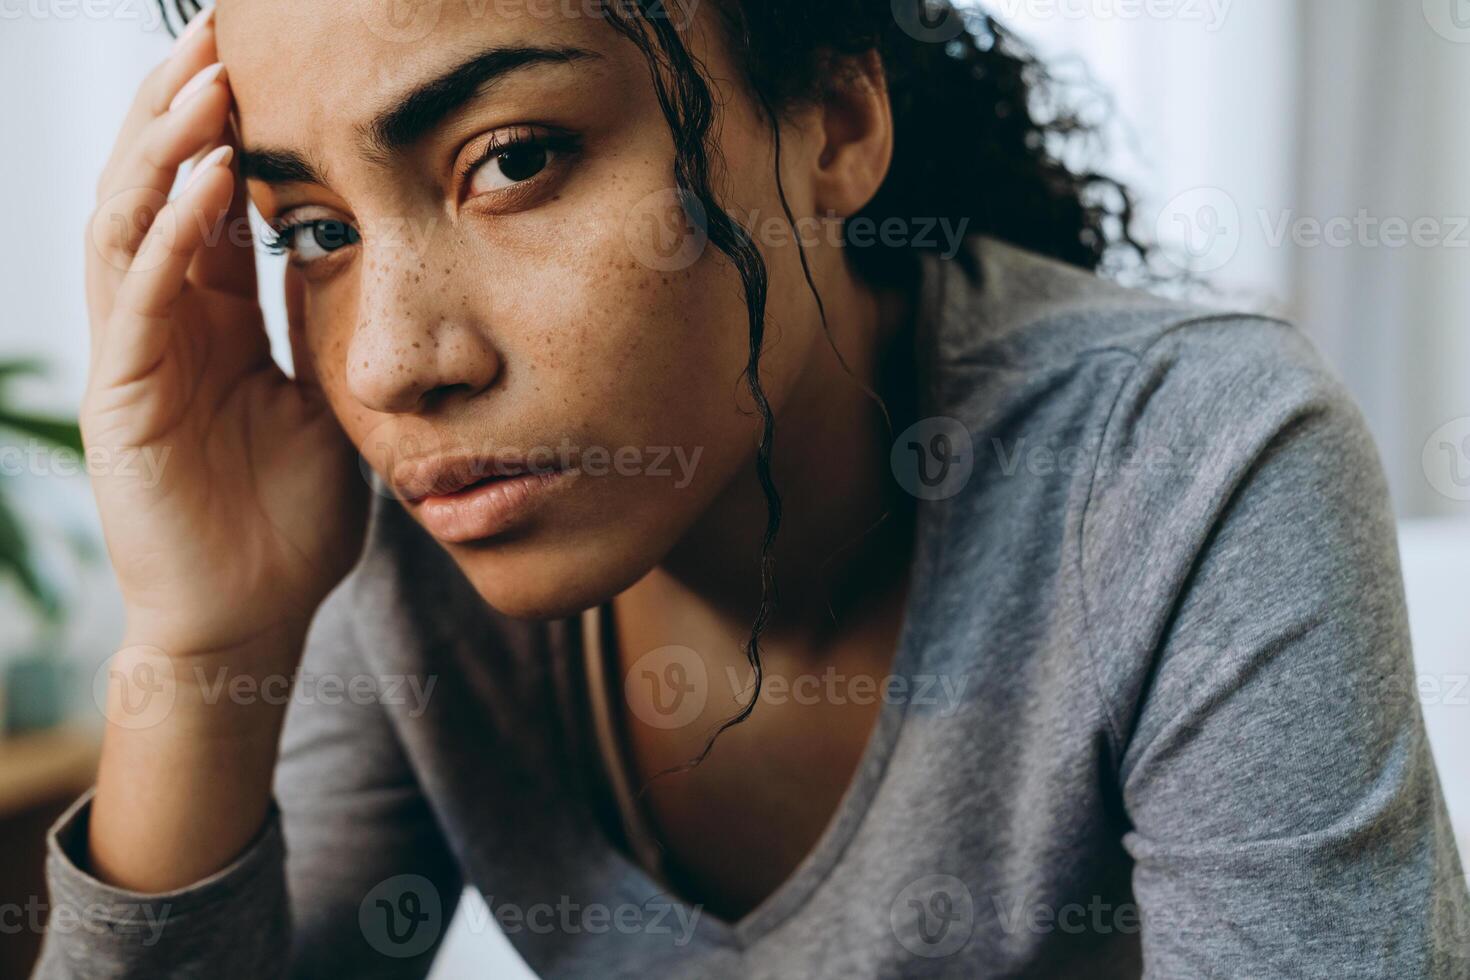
{"x":856,"y":800}
{"x":930,"y":321}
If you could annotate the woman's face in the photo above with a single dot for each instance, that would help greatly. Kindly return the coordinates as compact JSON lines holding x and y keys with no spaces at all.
{"x":502,"y":271}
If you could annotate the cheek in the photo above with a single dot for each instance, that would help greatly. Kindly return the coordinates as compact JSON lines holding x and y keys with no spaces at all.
{"x":650,"y":352}
{"x":326,"y":336}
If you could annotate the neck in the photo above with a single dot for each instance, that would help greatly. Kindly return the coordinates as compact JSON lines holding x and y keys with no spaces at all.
{"x":846,"y":529}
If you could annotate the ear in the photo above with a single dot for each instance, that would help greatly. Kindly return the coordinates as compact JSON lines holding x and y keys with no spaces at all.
{"x":857,"y":132}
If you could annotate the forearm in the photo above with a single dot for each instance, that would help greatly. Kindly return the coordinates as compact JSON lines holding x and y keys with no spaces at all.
{"x":184,"y":783}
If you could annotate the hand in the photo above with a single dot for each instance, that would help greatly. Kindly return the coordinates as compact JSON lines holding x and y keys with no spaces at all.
{"x":231,"y":501}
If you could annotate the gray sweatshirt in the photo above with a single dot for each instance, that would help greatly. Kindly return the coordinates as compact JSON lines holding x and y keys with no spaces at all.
{"x":1152,"y":711}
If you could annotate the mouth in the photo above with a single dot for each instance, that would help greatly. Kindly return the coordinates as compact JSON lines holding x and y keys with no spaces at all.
{"x":447,"y":477}
{"x":470,"y":498}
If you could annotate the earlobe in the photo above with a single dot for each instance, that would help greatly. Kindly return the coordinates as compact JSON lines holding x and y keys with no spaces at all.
{"x":857,"y":124}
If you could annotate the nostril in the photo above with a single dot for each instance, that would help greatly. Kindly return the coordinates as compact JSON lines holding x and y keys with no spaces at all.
{"x":443,"y":394}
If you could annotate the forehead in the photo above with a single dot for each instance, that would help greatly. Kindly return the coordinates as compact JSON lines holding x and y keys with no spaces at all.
{"x":300,"y":69}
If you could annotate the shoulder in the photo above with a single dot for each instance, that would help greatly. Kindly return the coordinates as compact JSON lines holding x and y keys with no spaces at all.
{"x":999,"y":305}
{"x":1231,"y":459}
{"x":1162,"y":408}
{"x":1140,"y":378}
{"x":1231,"y":516}
{"x":1213,"y":405}
{"x":1192,"y":432}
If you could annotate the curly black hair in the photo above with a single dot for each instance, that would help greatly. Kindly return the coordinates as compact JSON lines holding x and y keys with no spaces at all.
{"x":981,"y":129}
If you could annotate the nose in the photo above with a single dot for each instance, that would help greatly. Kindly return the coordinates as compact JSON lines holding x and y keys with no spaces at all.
{"x":410,"y":348}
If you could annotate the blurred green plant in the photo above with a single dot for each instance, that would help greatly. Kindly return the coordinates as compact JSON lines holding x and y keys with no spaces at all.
{"x":17,"y":556}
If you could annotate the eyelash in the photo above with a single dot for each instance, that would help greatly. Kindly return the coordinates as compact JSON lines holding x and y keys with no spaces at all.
{"x":557,"y":141}
{"x":280,"y":239}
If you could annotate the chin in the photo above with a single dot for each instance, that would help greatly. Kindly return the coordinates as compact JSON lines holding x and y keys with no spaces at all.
{"x":531,"y":582}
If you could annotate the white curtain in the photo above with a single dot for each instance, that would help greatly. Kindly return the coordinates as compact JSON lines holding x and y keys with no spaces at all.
{"x":1313,"y":153}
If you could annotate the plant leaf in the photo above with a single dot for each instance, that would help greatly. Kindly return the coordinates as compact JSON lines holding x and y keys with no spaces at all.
{"x":57,"y":432}
{"x":20,"y":365}
{"x":15,"y":555}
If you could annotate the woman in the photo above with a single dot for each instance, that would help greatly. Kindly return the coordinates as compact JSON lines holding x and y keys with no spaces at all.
{"x":758,"y":587}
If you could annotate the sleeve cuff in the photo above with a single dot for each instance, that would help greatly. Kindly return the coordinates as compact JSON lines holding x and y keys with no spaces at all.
{"x":85,"y":906}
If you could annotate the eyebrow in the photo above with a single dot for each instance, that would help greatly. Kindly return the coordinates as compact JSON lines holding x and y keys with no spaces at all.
{"x":414,"y":114}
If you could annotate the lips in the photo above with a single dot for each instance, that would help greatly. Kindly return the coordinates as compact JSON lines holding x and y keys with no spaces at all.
{"x":416,"y":480}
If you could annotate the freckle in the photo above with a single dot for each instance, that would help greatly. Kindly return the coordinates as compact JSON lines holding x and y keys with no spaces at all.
{"x":415,"y":345}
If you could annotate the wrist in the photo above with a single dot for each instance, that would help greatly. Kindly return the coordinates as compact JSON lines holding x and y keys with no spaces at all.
{"x":233,"y":694}
{"x":274,"y":643}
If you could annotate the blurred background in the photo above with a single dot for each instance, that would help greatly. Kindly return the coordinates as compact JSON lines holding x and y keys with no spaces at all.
{"x":1309,"y":158}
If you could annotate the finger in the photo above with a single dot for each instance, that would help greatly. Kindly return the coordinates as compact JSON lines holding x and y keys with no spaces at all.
{"x":139,"y":329}
{"x":227,"y":263}
{"x":140,"y":184}
{"x":152,"y":156}
{"x":194,"y":50}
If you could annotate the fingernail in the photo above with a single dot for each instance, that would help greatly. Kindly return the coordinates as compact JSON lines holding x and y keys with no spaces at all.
{"x":217,"y":157}
{"x":194,"y":27}
{"x":204,"y":77}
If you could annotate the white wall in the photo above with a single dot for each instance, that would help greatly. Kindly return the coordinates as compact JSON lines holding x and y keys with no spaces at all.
{"x":1252,"y":116}
{"x":69,"y":69}
{"x":66,"y":80}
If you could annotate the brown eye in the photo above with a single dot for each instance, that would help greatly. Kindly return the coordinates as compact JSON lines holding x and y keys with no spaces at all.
{"x":510,"y":166}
